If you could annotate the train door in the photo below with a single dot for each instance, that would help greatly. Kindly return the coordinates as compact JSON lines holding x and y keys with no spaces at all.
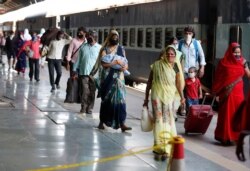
{"x":235,"y":34}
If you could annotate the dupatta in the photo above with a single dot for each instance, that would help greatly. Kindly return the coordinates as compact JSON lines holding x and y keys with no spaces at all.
{"x":228,"y":70}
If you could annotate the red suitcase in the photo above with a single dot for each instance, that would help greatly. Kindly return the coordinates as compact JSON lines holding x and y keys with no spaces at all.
{"x":199,"y":118}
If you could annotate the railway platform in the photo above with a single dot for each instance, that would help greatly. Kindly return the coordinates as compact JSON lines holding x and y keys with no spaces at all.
{"x":38,"y":131}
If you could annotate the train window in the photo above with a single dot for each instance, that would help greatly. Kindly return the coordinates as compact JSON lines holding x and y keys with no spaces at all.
{"x":124,"y":37}
{"x":158,"y":38}
{"x":100,"y":33}
{"x":149,"y":37}
{"x":235,"y":34}
{"x":132,"y":37}
{"x":168,"y":35}
{"x":119,"y":32}
{"x":179,"y":33}
{"x":140,"y":37}
{"x":106,"y":33}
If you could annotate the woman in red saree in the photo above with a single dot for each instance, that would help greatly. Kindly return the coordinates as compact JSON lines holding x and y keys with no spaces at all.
{"x":228,"y":86}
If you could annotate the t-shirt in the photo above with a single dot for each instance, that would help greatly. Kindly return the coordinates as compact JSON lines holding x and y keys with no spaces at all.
{"x":192,"y":88}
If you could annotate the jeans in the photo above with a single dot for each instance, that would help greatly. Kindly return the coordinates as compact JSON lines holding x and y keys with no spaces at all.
{"x":57,"y":64}
{"x":191,"y":102}
{"x":32,"y":63}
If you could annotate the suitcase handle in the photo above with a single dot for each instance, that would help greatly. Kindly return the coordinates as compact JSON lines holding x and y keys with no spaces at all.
{"x":203,"y":101}
{"x":207,"y":94}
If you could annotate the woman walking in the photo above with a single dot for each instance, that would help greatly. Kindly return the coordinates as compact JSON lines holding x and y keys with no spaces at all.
{"x":228,"y":86}
{"x":165,"y":79}
{"x":112,"y":85}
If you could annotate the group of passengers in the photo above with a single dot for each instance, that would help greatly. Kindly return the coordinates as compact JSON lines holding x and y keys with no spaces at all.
{"x":18,"y":47}
{"x":186,"y":57}
{"x":179,"y":67}
{"x":102,"y":67}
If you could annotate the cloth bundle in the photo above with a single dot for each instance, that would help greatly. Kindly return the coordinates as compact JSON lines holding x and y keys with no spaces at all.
{"x":109,"y":58}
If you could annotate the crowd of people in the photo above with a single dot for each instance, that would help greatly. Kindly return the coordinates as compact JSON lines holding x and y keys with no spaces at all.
{"x":166,"y":84}
{"x":174,"y":80}
{"x":83,"y":58}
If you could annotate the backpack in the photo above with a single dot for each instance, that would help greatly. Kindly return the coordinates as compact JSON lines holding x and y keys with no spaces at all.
{"x":194,"y":41}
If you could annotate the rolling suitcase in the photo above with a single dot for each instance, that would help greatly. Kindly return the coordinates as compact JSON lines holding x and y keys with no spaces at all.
{"x":199,"y":118}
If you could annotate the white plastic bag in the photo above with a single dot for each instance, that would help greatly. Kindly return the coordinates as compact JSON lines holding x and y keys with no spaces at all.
{"x":146,"y":121}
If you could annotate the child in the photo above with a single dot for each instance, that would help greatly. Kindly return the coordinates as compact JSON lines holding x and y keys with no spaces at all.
{"x":193,"y":88}
{"x":110,"y":58}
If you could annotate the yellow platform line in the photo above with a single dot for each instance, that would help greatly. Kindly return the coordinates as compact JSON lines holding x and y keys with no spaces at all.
{"x":87,"y":163}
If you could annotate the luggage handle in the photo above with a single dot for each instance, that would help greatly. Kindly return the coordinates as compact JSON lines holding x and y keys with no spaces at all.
{"x":207,"y":94}
{"x":203,"y":101}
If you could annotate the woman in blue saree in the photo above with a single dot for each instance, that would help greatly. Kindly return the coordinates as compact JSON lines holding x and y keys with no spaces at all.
{"x":112,"y":86}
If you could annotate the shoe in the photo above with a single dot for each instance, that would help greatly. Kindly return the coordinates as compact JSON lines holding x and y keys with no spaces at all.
{"x":82,"y":110}
{"x":125,"y":128}
{"x":30,"y":79}
{"x":160,"y":157}
{"x":101,"y":126}
{"x":52,"y":90}
{"x":37,"y":80}
{"x":58,"y":86}
{"x":89,"y":111}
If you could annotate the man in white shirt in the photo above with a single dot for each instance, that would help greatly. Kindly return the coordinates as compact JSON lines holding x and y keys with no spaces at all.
{"x":193,"y":52}
{"x":55,"y":58}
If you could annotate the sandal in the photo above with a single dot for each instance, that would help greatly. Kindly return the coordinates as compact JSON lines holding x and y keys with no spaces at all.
{"x":125,"y":128}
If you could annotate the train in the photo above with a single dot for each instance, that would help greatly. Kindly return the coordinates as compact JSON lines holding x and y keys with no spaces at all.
{"x":146,"y":28}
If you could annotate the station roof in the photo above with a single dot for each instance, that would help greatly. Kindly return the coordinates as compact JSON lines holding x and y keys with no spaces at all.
{"x":11,"y":5}
{"x":64,"y":7}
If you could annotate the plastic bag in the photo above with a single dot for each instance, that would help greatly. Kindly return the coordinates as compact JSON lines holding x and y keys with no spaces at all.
{"x":146,"y":121}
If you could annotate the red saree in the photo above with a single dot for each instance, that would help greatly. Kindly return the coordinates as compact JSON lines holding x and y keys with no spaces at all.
{"x":227,"y":72}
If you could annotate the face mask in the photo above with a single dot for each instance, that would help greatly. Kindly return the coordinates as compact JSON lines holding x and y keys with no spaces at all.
{"x":80,"y":36}
{"x":113,"y":42}
{"x":191,"y":75}
{"x":89,"y":40}
{"x":237,"y":57}
{"x":176,"y":46}
{"x":188,"y":38}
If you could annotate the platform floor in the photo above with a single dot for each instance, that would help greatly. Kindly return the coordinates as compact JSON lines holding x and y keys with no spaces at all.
{"x":38,"y":130}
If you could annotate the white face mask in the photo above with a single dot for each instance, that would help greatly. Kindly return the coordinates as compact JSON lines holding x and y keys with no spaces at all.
{"x":188,"y":38}
{"x":176,"y":46}
{"x":191,"y":75}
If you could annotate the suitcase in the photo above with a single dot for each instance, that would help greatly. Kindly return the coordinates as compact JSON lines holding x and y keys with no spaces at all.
{"x":72,"y":91}
{"x":199,"y":118}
